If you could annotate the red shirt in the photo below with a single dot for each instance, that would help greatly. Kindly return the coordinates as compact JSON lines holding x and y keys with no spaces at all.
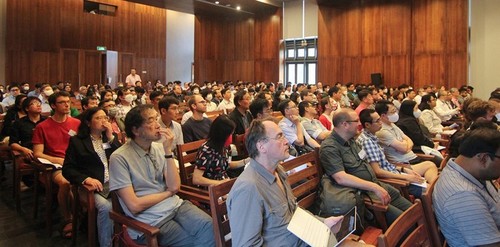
{"x":55,"y":136}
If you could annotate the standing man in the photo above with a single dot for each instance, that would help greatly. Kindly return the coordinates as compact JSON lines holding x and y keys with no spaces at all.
{"x":261,"y":203}
{"x":132,"y":78}
{"x":145,"y":177}
{"x":466,"y":202}
{"x":50,"y":141}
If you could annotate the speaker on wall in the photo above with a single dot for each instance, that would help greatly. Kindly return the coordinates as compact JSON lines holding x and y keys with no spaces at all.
{"x":377,"y":79}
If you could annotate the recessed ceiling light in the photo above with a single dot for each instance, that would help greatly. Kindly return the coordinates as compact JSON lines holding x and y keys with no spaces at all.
{"x":216,"y":2}
{"x":238,"y":7}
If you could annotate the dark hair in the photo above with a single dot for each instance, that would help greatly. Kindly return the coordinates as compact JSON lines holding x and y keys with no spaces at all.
{"x":424,"y":104}
{"x":139,"y":89}
{"x":382,"y":107}
{"x":324,"y":102}
{"x":85,"y":101}
{"x":166,"y":102}
{"x":101,"y":103}
{"x":17,"y":103}
{"x":256,"y":132}
{"x":363,"y":94}
{"x":257,"y":106}
{"x":333,"y":90}
{"x":239,"y":96}
{"x":220,"y":129}
{"x":27,"y":102}
{"x":304,"y":93}
{"x":477,"y":109}
{"x":223,"y":91}
{"x":283,"y":105}
{"x":134,"y":118}
{"x":54,"y":96}
{"x":302,"y":107}
{"x":154,"y":94}
{"x":481,"y":140}
{"x":406,"y":108}
{"x":104,"y":92}
{"x":465,"y":107}
{"x":365,"y":116}
{"x":86,"y":118}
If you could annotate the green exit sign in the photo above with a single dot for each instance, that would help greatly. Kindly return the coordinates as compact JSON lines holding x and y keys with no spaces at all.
{"x":101,"y":48}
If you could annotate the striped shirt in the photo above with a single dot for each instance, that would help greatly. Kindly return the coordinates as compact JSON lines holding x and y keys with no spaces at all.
{"x":468,"y":210}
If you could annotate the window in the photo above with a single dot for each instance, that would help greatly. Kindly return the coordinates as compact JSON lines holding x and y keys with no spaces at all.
{"x":300,"y":60}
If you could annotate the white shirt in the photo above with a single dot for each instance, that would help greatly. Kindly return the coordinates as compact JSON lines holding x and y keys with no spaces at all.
{"x":132,"y":79}
{"x":444,"y":111}
{"x":226,"y":105}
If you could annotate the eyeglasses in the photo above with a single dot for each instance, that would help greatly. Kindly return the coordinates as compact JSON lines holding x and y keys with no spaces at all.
{"x":494,"y":156}
{"x":36,"y":103}
{"x":278,"y":137}
{"x":66,"y":102}
{"x":14,"y":89}
{"x":376,"y":121}
{"x":292,"y":107}
{"x":352,"y":121}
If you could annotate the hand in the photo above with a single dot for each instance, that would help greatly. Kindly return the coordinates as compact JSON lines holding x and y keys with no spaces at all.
{"x":59,"y":161}
{"x":436,"y":145}
{"x":295,"y":119}
{"x":334,"y":223}
{"x":382,"y":194}
{"x":169,"y":139}
{"x":108,"y":128}
{"x":28,"y":153}
{"x":413,"y":176}
{"x":96,"y":184}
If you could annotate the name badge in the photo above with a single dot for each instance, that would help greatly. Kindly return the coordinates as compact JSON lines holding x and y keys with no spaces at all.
{"x":71,"y":133}
{"x":362,"y":154}
{"x":106,"y":145}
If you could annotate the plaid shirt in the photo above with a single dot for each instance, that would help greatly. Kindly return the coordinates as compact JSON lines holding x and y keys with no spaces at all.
{"x":374,"y":152}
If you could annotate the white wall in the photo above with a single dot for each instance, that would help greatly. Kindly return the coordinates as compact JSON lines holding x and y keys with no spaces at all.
{"x":292,"y":19}
{"x":3,"y":27}
{"x":485,"y":47}
{"x":180,"y":46}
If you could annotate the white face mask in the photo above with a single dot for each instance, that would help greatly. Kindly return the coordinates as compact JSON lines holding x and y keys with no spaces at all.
{"x":115,"y":96}
{"x":498,"y":116}
{"x":282,"y":97}
{"x":134,"y":97}
{"x":209,"y":97}
{"x":385,"y":90}
{"x":417,"y":113}
{"x":393,"y":117}
{"x":129,"y":98}
{"x":48,"y":92}
{"x":26,"y":88}
{"x":112,"y":112}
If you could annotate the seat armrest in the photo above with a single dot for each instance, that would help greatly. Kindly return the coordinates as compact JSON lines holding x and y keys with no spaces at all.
{"x":395,"y":182}
{"x":134,"y":224}
{"x":425,"y":156}
{"x":195,"y":194}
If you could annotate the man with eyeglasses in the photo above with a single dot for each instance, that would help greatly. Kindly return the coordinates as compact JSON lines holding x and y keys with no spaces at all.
{"x":197,"y":126}
{"x":240,"y":115}
{"x":372,"y":123}
{"x":11,"y":99}
{"x":260,"y":108}
{"x":261,"y":203}
{"x":465,"y":200}
{"x":144,"y":175}
{"x":344,"y":162}
{"x":50,"y":140}
{"x":443,"y":108}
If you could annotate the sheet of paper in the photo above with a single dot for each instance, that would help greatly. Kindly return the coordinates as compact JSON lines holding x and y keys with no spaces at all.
{"x":47,"y":162}
{"x":310,"y":229}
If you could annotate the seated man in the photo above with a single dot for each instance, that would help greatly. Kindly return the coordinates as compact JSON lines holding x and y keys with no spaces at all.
{"x":312,"y":126}
{"x":145,"y":177}
{"x":241,"y":116}
{"x":465,"y":200}
{"x":292,"y":128}
{"x":50,"y":140}
{"x":397,"y":146}
{"x":344,"y":160}
{"x":260,"y":109}
{"x":226,"y":104}
{"x":197,"y":126}
{"x":261,"y":204}
{"x":371,"y":122}
{"x":168,"y":109}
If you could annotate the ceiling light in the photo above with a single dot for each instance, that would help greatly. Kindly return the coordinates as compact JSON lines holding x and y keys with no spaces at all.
{"x":238,"y":7}
{"x":216,"y":2}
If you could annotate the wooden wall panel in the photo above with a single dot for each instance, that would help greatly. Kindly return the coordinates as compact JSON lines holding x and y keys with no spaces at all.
{"x":237,"y":49}
{"x":45,"y":28}
{"x":70,"y":66}
{"x":409,"y":41}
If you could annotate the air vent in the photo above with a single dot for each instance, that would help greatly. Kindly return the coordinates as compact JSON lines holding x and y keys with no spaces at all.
{"x":99,"y":8}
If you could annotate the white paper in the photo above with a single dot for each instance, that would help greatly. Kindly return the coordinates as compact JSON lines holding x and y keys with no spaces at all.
{"x":310,"y":229}
{"x":47,"y":162}
{"x":448,"y":132}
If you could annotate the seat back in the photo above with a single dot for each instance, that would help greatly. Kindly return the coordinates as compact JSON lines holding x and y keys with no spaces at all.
{"x":412,"y":225}
{"x":436,"y":235}
{"x":304,"y":182}
{"x":212,"y":115}
{"x":186,"y":153}
{"x":239,"y":142}
{"x":218,"y":209}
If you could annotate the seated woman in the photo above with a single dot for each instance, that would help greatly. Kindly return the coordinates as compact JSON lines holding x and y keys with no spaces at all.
{"x":428,"y":117}
{"x":213,"y":158}
{"x":408,"y":123}
{"x":14,"y":113}
{"x":86,"y":162}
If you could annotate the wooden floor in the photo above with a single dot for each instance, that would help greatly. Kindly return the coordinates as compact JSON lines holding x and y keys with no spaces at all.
{"x":20,"y":229}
